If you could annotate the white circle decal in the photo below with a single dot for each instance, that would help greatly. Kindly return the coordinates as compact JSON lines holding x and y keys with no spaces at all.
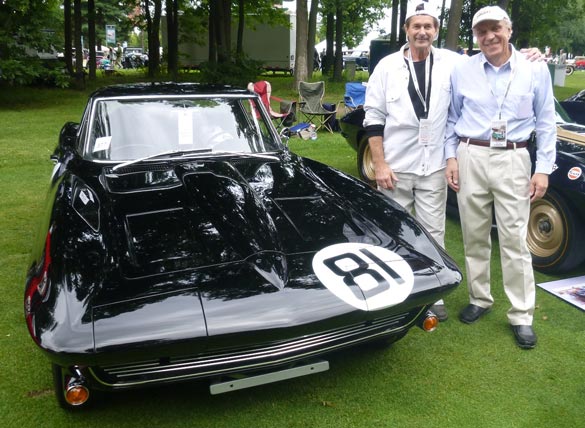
{"x":574,"y":173}
{"x":364,"y":276}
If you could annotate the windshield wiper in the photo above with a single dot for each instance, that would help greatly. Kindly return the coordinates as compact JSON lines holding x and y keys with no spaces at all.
{"x":162,"y":154}
{"x":248,"y":154}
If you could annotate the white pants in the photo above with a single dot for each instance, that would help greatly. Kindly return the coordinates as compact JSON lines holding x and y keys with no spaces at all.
{"x":426,"y":198}
{"x":500,"y":179}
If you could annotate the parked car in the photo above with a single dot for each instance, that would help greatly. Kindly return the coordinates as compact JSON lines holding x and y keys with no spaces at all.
{"x":134,"y":58}
{"x":556,"y":229}
{"x":575,"y":107}
{"x":182,"y":240}
{"x":361,"y":58}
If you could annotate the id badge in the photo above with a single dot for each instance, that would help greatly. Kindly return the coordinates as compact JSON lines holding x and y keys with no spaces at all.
{"x":425,"y":133}
{"x":499,"y":135}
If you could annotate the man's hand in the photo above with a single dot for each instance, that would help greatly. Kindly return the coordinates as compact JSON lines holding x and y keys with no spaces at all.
{"x":452,"y":174}
{"x":385,"y":177}
{"x":532,"y":54}
{"x":538,"y":186}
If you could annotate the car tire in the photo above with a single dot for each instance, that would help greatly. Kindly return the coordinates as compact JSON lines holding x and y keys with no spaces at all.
{"x":365,"y":164}
{"x":569,"y":70}
{"x":554,"y":235}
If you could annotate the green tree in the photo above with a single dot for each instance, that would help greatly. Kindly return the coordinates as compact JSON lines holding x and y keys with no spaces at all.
{"x":29,"y":28}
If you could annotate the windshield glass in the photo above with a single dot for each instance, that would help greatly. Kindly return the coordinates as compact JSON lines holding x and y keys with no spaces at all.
{"x":129,"y":129}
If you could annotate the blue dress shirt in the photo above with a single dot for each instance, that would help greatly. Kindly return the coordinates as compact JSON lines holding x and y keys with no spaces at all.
{"x":519,"y":91}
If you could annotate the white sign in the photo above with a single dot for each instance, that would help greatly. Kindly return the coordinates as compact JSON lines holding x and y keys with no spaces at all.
{"x":364,"y":276}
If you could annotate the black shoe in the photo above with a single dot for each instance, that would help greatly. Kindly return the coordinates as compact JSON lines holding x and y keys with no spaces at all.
{"x":525,"y":337}
{"x":440,"y":312}
{"x":471,"y":313}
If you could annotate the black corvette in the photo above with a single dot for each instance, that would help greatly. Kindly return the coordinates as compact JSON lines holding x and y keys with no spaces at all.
{"x":556,"y":230}
{"x":182,"y":240}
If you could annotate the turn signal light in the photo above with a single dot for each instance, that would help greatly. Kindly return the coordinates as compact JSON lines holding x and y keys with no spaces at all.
{"x":76,"y":394}
{"x":429,"y":322}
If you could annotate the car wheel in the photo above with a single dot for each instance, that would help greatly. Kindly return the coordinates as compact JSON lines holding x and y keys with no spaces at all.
{"x":60,"y":378}
{"x":569,"y":70}
{"x":554,"y":235}
{"x":365,"y":164}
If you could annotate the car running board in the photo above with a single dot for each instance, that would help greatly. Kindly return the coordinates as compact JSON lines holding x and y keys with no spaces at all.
{"x":244,"y":381}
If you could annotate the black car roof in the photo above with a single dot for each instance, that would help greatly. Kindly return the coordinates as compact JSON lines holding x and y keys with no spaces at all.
{"x":166,"y":88}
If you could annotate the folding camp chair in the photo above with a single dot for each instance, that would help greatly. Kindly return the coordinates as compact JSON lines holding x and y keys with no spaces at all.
{"x":311,"y":105}
{"x":264,"y":90}
{"x":355,"y":95}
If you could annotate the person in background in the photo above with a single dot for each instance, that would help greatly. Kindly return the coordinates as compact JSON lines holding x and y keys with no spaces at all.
{"x":118,"y":62}
{"x":498,"y":99}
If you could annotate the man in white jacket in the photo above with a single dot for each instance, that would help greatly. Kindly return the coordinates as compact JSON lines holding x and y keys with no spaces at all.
{"x":407,"y":101}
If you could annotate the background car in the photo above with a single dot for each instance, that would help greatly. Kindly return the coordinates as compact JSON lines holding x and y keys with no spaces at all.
{"x":556,"y":228}
{"x":182,"y":240}
{"x":134,"y":58}
{"x":360,"y":57}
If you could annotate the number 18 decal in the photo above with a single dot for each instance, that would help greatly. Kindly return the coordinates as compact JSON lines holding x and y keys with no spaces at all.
{"x":364,"y":276}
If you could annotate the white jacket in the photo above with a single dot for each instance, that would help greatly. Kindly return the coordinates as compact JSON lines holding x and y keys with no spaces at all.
{"x":388,"y":103}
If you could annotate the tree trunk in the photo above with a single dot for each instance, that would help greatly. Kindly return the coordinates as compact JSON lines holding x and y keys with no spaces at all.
{"x":223,"y":26}
{"x":301,"y":71}
{"x":401,"y":33}
{"x":394,"y":29}
{"x":311,"y":36}
{"x":330,"y":35}
{"x":79,"y":77}
{"x":441,"y":21}
{"x":452,"y":39}
{"x":67,"y":36}
{"x":91,"y":38}
{"x":241,"y":22}
{"x":152,"y":29}
{"x":172,"y":8}
{"x":338,"y":65}
{"x":211,"y":35}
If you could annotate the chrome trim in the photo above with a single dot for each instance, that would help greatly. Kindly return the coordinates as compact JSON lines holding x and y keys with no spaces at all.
{"x":176,"y":369}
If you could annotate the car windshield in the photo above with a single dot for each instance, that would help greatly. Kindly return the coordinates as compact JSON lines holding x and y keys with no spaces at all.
{"x":127,"y":129}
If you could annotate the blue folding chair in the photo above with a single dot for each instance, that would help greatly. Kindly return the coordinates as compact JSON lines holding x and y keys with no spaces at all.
{"x":355,"y":95}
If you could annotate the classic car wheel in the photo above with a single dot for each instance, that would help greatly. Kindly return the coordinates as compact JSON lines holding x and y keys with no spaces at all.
{"x":569,"y":70}
{"x":365,"y":163}
{"x":60,"y":387}
{"x":554,"y":235}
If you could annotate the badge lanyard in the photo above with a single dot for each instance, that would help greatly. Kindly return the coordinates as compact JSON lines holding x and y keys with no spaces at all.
{"x":422,"y":99}
{"x":499,"y":127}
{"x":425,"y":132}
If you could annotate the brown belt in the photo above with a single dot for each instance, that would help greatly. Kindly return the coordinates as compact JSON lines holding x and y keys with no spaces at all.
{"x":486,"y":143}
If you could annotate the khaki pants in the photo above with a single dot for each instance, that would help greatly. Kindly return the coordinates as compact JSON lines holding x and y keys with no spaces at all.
{"x":426,"y":198}
{"x":500,"y":179}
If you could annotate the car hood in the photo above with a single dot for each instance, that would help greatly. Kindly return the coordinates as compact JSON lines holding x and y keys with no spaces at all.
{"x":213,"y":248}
{"x":215,"y":213}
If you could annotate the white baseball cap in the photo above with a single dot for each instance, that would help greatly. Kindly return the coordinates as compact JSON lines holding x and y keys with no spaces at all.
{"x":489,"y":13}
{"x":422,"y":9}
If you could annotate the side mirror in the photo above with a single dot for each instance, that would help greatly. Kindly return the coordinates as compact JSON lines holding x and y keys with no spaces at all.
{"x":68,"y":136}
{"x":67,"y":139}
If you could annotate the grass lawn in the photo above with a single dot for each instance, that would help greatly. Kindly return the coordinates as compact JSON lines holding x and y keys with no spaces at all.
{"x":459,"y":376}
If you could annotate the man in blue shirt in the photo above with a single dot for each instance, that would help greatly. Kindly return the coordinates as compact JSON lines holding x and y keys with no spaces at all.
{"x":498,"y":99}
